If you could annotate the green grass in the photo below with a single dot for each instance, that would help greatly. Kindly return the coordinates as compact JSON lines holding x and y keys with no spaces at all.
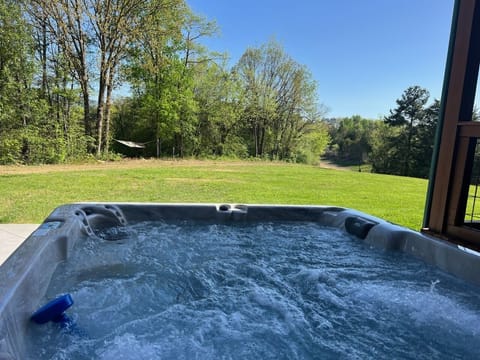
{"x":472,"y":213}
{"x":29,"y":196}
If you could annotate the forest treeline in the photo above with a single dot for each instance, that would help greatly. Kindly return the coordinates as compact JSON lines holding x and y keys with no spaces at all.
{"x":63,"y":64}
{"x":399,"y":144}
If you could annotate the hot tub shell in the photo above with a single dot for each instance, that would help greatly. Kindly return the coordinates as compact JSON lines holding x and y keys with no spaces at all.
{"x":25,"y":276}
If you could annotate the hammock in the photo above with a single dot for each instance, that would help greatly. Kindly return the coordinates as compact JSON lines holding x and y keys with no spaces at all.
{"x":131,"y":144}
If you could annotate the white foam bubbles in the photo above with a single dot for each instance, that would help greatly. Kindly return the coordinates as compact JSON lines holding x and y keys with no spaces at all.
{"x":126,"y":347}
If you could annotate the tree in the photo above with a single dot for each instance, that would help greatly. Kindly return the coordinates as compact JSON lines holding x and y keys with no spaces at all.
{"x":313,"y":144}
{"x":163,"y":66}
{"x":115,"y":25}
{"x":384,"y":155}
{"x":217,"y":93}
{"x":16,"y":60}
{"x":405,"y":145}
{"x":54,"y":53}
{"x":424,"y":141}
{"x":351,"y":139}
{"x":66,"y":21}
{"x":408,"y":114}
{"x":193,"y":55}
{"x":22,"y":113}
{"x":279,"y":100}
{"x":82,"y":28}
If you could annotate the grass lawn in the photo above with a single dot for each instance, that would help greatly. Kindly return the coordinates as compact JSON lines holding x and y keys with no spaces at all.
{"x":29,"y":194}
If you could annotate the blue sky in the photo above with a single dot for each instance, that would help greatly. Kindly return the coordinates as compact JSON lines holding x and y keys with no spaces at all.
{"x":362,"y":53}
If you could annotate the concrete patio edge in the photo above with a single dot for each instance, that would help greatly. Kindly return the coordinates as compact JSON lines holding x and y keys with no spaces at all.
{"x":12,"y":236}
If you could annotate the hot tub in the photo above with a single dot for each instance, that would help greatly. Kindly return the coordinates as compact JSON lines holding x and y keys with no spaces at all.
{"x":238,"y":281}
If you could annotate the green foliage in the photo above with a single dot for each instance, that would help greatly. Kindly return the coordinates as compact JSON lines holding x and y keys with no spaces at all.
{"x":24,"y":132}
{"x":198,"y":107}
{"x":15,"y":50}
{"x":408,"y":143}
{"x":313,"y":144}
{"x":15,"y":79}
{"x":424,"y":140}
{"x":234,"y":147}
{"x":351,"y":139}
{"x":383,"y":155}
{"x":183,"y":96}
{"x":10,"y":149}
{"x":36,"y":126}
{"x":401,"y":144}
{"x":217,"y":92}
{"x":410,"y":108}
{"x":164,"y":108}
{"x":162,"y":71}
{"x":279,"y":101}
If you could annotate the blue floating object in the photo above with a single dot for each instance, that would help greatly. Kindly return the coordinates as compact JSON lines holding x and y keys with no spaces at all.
{"x":54,"y":310}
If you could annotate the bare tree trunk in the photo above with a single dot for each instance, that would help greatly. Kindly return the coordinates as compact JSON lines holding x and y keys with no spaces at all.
{"x":262,"y":140}
{"x":101,"y":109}
{"x":255,"y":138}
{"x":86,"y":113}
{"x":45,"y":91}
{"x":108,"y":107}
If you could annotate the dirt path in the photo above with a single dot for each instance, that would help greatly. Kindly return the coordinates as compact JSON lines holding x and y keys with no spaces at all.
{"x":329,"y":165}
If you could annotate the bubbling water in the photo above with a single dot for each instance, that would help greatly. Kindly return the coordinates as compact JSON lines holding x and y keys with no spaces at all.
{"x":258,"y":291}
